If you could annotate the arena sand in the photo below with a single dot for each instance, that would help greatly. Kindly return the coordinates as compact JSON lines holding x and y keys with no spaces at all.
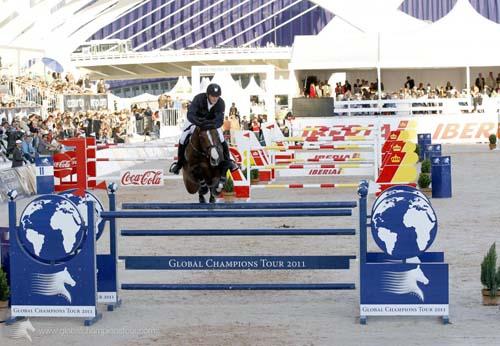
{"x":468,"y":224}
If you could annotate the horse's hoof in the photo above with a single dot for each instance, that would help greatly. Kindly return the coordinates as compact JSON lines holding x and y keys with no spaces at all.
{"x":202,"y":199}
{"x":212,"y":199}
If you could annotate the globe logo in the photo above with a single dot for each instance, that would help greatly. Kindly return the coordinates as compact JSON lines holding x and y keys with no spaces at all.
{"x":403,"y":223}
{"x":51,"y":229}
{"x":80,"y":202}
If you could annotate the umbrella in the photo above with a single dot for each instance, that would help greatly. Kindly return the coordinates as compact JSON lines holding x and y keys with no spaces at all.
{"x":53,"y":65}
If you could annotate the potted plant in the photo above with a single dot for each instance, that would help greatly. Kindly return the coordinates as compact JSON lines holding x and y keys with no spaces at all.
{"x":490,"y":277}
{"x":228,"y":190}
{"x":4,"y":295}
{"x":424,"y":181}
{"x":493,"y":141}
{"x":417,"y":151}
{"x":426,"y":166}
{"x":254,"y":176}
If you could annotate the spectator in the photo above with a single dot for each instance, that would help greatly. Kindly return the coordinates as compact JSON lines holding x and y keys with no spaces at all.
{"x":17,"y":154}
{"x":410,"y":83}
{"x":492,"y":83}
{"x":244,"y":123}
{"x":480,"y":82}
{"x":233,"y":111}
{"x":312,"y":91}
{"x":27,"y":148}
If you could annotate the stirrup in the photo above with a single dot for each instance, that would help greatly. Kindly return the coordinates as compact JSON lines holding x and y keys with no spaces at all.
{"x":175,"y":168}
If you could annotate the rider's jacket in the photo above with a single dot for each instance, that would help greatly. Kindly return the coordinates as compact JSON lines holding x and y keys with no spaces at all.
{"x":199,"y":114}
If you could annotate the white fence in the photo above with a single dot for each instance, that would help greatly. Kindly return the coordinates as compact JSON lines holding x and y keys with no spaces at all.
{"x":171,"y":117}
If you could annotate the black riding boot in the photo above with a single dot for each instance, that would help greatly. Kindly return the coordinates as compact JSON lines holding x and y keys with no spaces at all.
{"x":231,"y":165}
{"x":176,"y":166}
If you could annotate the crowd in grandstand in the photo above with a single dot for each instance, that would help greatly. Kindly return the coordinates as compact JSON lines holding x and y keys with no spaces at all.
{"x":67,"y":84}
{"x":365,"y":90}
{"x":35,"y":135}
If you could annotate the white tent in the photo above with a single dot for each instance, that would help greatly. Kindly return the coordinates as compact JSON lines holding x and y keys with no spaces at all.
{"x":253,"y":88}
{"x":205,"y":81}
{"x":449,"y":42}
{"x":461,"y":38}
{"x":181,"y":87}
{"x":340,"y":46}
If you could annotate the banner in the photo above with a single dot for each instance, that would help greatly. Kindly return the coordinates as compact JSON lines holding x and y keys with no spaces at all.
{"x":9,"y":180}
{"x":445,"y":128}
{"x":148,"y":177}
{"x":76,"y":103}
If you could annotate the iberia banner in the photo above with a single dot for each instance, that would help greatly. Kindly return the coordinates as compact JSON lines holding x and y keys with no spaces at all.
{"x":445,"y":128}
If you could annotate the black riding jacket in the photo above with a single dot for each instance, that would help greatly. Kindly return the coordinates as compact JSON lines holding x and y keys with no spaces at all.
{"x":199,"y":114}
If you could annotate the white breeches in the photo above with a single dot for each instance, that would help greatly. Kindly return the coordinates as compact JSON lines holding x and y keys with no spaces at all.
{"x":189,"y":129}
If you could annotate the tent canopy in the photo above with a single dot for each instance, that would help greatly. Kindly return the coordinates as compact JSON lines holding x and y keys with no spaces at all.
{"x":253,"y":88}
{"x":449,"y":42}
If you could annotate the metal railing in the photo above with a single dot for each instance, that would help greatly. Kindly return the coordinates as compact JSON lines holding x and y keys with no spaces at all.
{"x":25,"y":94}
{"x":415,"y":106}
{"x":285,"y":52}
{"x":171,"y":117}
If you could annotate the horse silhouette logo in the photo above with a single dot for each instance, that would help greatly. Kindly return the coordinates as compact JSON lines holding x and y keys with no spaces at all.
{"x":53,"y":284}
{"x":405,"y":282}
{"x":20,"y":330}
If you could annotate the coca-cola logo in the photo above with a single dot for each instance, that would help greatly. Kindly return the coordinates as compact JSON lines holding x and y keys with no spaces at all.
{"x":153,"y":177}
{"x":64,"y":164}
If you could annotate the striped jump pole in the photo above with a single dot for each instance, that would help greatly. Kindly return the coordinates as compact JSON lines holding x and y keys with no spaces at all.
{"x":117,"y":159}
{"x":146,"y":262}
{"x":317,"y":147}
{"x":328,"y":139}
{"x":304,"y":186}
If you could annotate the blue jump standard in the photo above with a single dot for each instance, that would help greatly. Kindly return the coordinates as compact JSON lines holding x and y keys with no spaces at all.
{"x":235,"y":287}
{"x":223,"y":213}
{"x":270,"y":205}
{"x":236,"y":232}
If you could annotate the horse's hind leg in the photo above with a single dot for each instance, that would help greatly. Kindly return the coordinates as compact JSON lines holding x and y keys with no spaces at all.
{"x":201,"y":198}
{"x":212,"y":196}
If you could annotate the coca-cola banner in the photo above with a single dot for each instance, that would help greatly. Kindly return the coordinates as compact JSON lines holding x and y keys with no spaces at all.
{"x":75,"y":103}
{"x":146,"y":177}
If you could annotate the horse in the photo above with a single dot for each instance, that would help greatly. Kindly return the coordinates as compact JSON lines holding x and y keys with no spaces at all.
{"x":204,"y":169}
{"x":406,"y":282}
{"x":53,"y":284}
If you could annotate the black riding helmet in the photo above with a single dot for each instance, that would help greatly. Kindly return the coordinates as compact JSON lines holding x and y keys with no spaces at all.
{"x":213,"y":90}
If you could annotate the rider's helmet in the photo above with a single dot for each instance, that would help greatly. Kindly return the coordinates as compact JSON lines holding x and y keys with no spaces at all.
{"x":213,"y":90}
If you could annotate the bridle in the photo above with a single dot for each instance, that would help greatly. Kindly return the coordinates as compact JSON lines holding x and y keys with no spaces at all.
{"x":206,"y":153}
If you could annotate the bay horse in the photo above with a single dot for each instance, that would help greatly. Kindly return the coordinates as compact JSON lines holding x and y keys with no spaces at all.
{"x":204,"y":169}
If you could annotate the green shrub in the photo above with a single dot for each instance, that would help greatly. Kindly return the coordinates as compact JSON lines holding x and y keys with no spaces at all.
{"x":229,"y":185}
{"x":4,"y":286}
{"x":493,"y":139}
{"x":426,"y":166}
{"x":417,"y":151}
{"x":424,"y":180}
{"x":489,"y":273}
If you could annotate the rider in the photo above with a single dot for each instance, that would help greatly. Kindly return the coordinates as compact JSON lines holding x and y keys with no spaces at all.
{"x":206,"y":111}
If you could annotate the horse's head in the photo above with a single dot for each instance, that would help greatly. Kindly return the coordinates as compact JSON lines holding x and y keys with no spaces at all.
{"x":420,"y":276}
{"x":210,"y":146}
